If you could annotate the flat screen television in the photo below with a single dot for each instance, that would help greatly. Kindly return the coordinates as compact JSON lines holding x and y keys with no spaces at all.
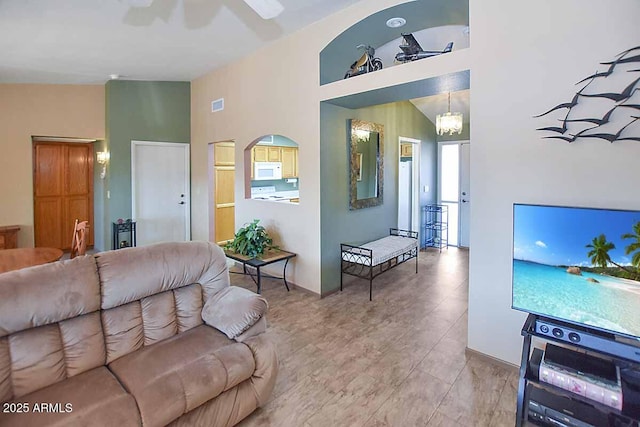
{"x":578,"y":265}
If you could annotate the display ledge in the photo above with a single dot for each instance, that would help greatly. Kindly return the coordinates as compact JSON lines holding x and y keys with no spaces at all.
{"x":435,"y":67}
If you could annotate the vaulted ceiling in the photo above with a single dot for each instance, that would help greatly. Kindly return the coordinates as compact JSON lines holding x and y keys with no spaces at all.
{"x":85,"y":41}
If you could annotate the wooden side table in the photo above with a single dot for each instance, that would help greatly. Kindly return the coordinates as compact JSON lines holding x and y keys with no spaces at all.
{"x":9,"y":236}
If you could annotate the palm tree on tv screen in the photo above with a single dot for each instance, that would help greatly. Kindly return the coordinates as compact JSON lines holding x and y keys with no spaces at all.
{"x":600,"y":248}
{"x":634,"y":246}
{"x":599,"y":252}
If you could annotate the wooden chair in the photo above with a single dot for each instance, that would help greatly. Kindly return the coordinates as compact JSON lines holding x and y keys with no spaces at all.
{"x":79,"y":239}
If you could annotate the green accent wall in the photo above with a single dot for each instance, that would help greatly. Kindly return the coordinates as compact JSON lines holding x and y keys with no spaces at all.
{"x":142,"y":111}
{"x":338,"y":223}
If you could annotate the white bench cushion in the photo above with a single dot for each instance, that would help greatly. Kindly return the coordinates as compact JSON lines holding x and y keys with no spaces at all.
{"x":383,"y":250}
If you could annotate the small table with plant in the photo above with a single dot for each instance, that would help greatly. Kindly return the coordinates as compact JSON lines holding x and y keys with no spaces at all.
{"x":253,"y":247}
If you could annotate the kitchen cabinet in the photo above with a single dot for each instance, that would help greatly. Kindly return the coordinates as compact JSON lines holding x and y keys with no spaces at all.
{"x":260,"y":153}
{"x":406,"y":150}
{"x":288,"y":156}
{"x":289,"y":162}
{"x":274,"y":154}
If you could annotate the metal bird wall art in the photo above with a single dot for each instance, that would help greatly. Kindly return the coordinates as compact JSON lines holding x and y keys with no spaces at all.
{"x":621,"y":59}
{"x":614,"y":137}
{"x":621,"y":100}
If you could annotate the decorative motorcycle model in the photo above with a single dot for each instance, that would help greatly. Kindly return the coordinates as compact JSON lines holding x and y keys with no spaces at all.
{"x":366,"y":63}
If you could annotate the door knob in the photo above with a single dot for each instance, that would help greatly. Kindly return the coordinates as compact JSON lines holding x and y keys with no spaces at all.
{"x":181,"y":203}
{"x":464,"y":201}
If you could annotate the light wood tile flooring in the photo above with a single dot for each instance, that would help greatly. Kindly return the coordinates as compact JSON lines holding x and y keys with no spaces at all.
{"x":397,"y":361}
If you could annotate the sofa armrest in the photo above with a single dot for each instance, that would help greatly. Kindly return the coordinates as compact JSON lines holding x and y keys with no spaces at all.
{"x":235,"y":310}
{"x":259,"y":327}
{"x":263,"y":379}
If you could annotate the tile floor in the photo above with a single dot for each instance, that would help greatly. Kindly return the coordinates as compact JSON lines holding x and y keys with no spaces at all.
{"x":397,"y":361}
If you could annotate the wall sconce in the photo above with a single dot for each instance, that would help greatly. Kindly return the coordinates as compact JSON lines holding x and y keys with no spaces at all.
{"x":102,"y":157}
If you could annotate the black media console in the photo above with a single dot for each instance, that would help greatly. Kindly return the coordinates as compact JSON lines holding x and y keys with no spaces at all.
{"x":577,"y":377}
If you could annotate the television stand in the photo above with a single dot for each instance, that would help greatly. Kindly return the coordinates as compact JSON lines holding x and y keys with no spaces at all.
{"x":544,"y":403}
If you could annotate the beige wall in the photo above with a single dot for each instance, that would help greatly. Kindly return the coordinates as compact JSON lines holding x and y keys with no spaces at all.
{"x":520,"y":68}
{"x":276,"y":90}
{"x":524,"y":58}
{"x":31,"y":109}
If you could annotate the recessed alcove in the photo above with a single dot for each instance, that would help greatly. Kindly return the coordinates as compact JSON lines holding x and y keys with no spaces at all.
{"x":431,"y":21}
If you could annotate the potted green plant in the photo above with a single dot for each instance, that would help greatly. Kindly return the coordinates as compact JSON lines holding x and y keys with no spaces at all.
{"x":251,"y":240}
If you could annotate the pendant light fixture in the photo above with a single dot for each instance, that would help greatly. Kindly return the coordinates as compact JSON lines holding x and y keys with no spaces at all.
{"x":449,"y":123}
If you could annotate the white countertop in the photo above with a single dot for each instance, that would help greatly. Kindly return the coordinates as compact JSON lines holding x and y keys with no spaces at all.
{"x":276,"y":196}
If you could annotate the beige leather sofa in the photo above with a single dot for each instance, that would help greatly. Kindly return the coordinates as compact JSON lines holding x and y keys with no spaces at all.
{"x":118,"y":339}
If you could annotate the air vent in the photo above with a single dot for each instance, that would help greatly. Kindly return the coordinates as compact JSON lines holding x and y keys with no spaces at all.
{"x":217,"y":105}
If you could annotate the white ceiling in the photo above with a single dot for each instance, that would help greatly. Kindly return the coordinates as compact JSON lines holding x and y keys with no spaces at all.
{"x":431,"y":106}
{"x":84,"y":41}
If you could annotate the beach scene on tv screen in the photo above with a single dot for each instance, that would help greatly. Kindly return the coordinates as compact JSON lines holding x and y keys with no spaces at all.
{"x":580,"y":265}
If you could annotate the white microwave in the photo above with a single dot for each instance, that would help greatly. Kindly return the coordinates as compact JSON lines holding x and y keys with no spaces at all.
{"x":267,"y":170}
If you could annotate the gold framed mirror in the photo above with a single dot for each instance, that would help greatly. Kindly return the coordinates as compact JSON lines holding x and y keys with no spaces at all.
{"x":366,"y":149}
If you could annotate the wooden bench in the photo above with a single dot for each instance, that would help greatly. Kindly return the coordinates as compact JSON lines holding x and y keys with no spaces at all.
{"x":371,"y":259}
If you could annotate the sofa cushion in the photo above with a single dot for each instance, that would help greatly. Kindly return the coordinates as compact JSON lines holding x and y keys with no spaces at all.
{"x":42,"y":356}
{"x":46,"y":294}
{"x":130,"y":274}
{"x":92,"y":398}
{"x":176,"y":375}
{"x":234,"y":310}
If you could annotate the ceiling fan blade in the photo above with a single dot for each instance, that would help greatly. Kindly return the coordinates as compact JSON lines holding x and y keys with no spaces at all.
{"x":140,"y":3}
{"x":267,"y":9}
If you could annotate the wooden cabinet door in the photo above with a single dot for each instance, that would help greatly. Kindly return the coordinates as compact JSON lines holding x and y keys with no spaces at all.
{"x":48,"y":191}
{"x":289,"y":162}
{"x":78,"y":196}
{"x":224,"y":153}
{"x":224,"y":192}
{"x":274,"y":154}
{"x":63,"y":192}
{"x":260,"y":153}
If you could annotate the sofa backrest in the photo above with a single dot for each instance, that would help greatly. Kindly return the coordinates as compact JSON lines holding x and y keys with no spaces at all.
{"x":154,"y":292}
{"x":50,"y":326}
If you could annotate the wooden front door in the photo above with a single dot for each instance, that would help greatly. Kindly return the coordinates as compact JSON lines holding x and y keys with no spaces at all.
{"x":224,"y":190}
{"x":62,"y":191}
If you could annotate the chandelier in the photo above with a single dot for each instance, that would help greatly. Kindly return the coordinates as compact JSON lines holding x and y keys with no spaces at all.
{"x":449,"y":123}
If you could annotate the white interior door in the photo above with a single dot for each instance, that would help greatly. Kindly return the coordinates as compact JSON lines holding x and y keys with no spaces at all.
{"x":160,"y":191}
{"x":465,"y":193}
{"x":409,"y":186}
